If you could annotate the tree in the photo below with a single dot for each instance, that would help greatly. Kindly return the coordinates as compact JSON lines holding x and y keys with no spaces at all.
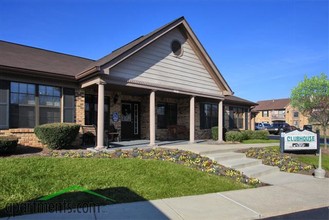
{"x":311,"y":98}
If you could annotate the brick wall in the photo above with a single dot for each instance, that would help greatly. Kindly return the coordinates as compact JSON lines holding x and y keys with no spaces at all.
{"x":289,"y":118}
{"x":80,"y":106}
{"x":26,"y":137}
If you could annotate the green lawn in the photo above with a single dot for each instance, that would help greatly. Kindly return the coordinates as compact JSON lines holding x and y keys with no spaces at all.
{"x":123,"y":180}
{"x":314,"y":160}
{"x":259,"y":141}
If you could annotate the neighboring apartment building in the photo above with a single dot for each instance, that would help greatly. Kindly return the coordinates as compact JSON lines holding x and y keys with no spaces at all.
{"x":162,"y":79}
{"x":278,"y":110}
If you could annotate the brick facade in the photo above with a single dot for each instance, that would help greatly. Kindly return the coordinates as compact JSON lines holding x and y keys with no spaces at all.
{"x":28,"y":138}
{"x":290,"y":116}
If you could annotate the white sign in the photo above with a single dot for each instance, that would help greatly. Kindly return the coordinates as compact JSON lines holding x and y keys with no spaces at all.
{"x":300,"y":140}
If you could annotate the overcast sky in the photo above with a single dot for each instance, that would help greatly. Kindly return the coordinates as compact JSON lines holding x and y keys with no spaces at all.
{"x":263,"y":48}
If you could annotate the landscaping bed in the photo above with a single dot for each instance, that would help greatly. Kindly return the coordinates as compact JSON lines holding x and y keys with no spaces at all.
{"x":291,"y":163}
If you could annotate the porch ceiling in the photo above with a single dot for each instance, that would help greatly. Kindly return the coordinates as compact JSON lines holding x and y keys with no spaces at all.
{"x":137,"y":91}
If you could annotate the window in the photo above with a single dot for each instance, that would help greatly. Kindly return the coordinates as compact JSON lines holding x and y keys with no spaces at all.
{"x":69,"y":105}
{"x":4,"y":104}
{"x":166,"y":114}
{"x":31,"y":104}
{"x":176,"y":48}
{"x":295,"y":114}
{"x":91,"y":110}
{"x":238,"y":117}
{"x":22,"y":105}
{"x":208,"y":115}
{"x":49,"y":102}
{"x":265,"y":113}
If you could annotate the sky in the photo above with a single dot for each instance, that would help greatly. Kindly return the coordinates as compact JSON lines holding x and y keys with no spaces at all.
{"x":263,"y":48}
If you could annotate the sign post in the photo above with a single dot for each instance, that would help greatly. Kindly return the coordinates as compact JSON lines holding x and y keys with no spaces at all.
{"x":303,"y":141}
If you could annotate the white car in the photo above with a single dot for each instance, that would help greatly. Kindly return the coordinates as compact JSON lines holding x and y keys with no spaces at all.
{"x":262,"y":126}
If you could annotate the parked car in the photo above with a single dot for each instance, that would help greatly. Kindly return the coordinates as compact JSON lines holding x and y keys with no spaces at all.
{"x":277,"y":128}
{"x":261,"y":126}
{"x":274,"y":128}
{"x":307,"y":127}
{"x":286,"y":127}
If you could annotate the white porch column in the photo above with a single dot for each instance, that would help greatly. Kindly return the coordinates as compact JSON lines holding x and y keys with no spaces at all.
{"x":192,"y":119}
{"x":220,"y":121}
{"x":152,"y":118}
{"x":100,"y":116}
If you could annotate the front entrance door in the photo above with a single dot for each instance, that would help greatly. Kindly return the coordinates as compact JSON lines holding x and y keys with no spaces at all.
{"x":130,"y":127}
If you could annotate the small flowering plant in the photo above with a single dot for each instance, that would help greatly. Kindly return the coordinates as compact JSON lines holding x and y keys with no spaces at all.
{"x":186,"y":158}
{"x":272,"y":156}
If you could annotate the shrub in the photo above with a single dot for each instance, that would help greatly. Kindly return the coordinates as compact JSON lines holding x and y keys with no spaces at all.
{"x":214,"y":133}
{"x":8,"y":144}
{"x":260,"y":134}
{"x":234,"y":136}
{"x":246,"y":135}
{"x":57,"y":135}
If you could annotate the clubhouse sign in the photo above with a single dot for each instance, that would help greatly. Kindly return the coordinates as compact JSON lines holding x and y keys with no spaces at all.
{"x":299,"y":141}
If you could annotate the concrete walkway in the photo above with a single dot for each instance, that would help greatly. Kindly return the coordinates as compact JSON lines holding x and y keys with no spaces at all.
{"x":289,"y":193}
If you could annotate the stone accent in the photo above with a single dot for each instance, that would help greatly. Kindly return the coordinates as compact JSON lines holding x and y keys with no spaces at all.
{"x":26,"y":136}
{"x":80,"y":106}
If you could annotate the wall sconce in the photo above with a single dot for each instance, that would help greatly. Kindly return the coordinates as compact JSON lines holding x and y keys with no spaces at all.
{"x":115,"y":98}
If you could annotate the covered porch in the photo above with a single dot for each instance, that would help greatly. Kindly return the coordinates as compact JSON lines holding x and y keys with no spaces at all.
{"x":147,"y":116}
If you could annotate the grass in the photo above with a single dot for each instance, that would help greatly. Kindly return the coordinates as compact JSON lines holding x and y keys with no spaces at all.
{"x":314,"y":160}
{"x":259,"y":141}
{"x":124,"y":180}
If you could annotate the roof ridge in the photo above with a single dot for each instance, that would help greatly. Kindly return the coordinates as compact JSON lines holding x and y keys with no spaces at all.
{"x":267,"y":100}
{"x":46,"y":50}
{"x":126,"y":44}
{"x":141,"y":39}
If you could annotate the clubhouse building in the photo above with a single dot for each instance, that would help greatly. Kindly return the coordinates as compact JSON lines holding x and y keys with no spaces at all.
{"x":161,"y":82}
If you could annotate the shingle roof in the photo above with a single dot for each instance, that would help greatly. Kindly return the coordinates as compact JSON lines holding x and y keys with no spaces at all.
{"x":116,"y":53}
{"x":274,"y":104}
{"x":31,"y":58}
{"x":237,"y":100}
{"x":49,"y":62}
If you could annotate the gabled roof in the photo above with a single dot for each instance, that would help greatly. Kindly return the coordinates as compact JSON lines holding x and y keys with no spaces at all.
{"x":35,"y":59}
{"x":136,"y":45}
{"x":274,"y":104}
{"x":237,"y":100}
{"x":125,"y":48}
{"x":20,"y":57}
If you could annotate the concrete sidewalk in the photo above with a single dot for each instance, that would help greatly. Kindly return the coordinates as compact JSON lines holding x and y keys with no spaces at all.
{"x":289,"y":193}
{"x":241,"y":204}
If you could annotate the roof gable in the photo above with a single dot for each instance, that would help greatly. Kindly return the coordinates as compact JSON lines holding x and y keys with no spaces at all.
{"x":130,"y":49}
{"x":156,"y":65}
